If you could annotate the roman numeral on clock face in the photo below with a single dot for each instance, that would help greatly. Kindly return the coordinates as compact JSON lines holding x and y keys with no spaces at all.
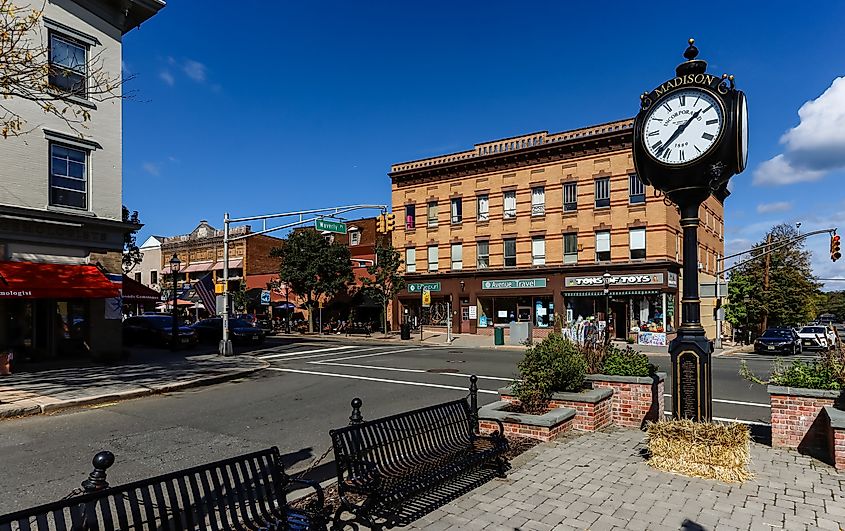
{"x":654,"y":133}
{"x":683,"y":100}
{"x":681,"y":155}
{"x":656,"y":146}
{"x":713,"y":121}
{"x":666,"y":106}
{"x":667,"y":153}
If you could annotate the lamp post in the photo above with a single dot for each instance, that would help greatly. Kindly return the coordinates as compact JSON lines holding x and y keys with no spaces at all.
{"x":175,"y":266}
{"x":606,"y":279}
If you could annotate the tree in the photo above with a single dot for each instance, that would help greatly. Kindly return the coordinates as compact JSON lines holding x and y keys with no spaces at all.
{"x":789,"y":296}
{"x":832,"y":302}
{"x":313,"y":267}
{"x":29,"y":74}
{"x":386,"y":281}
{"x":131,"y":254}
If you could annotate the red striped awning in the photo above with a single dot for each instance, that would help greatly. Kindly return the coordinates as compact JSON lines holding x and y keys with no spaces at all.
{"x":28,"y":280}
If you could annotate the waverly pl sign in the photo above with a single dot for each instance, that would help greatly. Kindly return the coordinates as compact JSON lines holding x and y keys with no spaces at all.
{"x":514,"y":284}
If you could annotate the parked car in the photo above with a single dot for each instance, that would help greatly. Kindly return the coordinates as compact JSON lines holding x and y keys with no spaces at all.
{"x":778,"y":341}
{"x":241,"y":331}
{"x":814,"y":338}
{"x":827,"y":319}
{"x":155,"y":330}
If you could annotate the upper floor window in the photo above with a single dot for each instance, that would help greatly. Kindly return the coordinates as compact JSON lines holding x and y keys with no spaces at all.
{"x":137,"y":277}
{"x":636,"y":189}
{"x":68,"y":64}
{"x":483,"y":207}
{"x":570,"y":248}
{"x":457,"y":256}
{"x":410,"y":216}
{"x":570,"y":197}
{"x":538,"y":250}
{"x":354,"y":237}
{"x":153,"y":277}
{"x":68,"y":176}
{"x":510,"y":204}
{"x":636,"y":242}
{"x":538,"y":201}
{"x":510,"y":252}
{"x":603,"y":192}
{"x":482,"y":252}
{"x":603,"y":246}
{"x":457,"y":210}
{"x":432,"y":214}
{"x":410,"y":260}
{"x":433,"y":257}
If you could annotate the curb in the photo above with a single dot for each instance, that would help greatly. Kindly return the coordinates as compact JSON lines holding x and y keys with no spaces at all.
{"x":44,"y":409}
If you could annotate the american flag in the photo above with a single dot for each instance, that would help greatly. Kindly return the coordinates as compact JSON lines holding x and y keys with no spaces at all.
{"x":205,"y":289}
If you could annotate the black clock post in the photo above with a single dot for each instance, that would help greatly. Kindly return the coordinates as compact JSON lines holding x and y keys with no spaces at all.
{"x":690,"y":138}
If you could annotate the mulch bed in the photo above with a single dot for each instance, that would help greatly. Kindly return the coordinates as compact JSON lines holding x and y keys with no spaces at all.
{"x":517,"y":445}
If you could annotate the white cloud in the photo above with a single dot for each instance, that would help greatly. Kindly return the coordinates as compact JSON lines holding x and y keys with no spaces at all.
{"x":194,"y":70}
{"x":778,"y":206}
{"x":167,"y":77}
{"x":815,"y":146}
{"x":151,"y":168}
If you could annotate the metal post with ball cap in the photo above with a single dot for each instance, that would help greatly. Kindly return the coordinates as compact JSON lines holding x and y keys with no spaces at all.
{"x":690,"y":138}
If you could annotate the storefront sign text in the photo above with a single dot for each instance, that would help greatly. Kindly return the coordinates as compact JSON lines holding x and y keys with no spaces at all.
{"x":615,"y":280}
{"x":514,"y":284}
{"x":419,"y":287}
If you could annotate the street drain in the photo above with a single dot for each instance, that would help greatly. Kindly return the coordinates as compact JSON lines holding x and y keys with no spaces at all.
{"x":447,"y":371}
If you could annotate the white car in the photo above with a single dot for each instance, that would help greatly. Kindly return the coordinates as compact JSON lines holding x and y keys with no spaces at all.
{"x":815,"y":338}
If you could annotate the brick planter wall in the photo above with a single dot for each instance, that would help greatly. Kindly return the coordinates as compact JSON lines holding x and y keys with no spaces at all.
{"x":796,"y":419}
{"x":592,"y":406}
{"x":836,"y":436}
{"x":542,"y":427}
{"x":635,"y":399}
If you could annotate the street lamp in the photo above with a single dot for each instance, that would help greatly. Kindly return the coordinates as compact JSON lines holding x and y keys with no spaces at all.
{"x":606,"y":279}
{"x":175,"y":266}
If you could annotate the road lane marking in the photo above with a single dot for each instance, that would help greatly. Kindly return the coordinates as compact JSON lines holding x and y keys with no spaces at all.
{"x":735,"y":402}
{"x":417,"y":371}
{"x":286,"y":354}
{"x":382,"y":353}
{"x":382,"y":380}
{"x":312,"y":356}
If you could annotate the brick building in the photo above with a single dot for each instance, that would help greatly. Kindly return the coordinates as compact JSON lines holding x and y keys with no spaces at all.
{"x":523,"y":228}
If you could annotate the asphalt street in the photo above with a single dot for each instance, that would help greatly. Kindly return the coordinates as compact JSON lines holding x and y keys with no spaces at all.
{"x":293,"y":405}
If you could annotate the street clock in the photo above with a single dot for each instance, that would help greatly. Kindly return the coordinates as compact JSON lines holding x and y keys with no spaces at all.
{"x":691,"y":134}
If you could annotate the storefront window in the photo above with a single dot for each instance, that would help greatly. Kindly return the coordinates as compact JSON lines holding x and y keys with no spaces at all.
{"x":485,"y":312}
{"x":544,"y":312}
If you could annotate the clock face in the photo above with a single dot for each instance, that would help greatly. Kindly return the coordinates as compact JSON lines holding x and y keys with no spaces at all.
{"x":683,"y":126}
{"x":743,"y":132}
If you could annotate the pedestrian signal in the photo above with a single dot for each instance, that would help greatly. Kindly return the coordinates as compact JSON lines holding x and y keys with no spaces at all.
{"x":835,"y":252}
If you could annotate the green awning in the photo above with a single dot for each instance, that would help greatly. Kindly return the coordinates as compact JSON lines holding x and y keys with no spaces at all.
{"x":613,"y":293}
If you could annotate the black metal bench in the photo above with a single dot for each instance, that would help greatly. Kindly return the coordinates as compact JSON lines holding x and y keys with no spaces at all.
{"x":243,"y":492}
{"x":386,"y":462}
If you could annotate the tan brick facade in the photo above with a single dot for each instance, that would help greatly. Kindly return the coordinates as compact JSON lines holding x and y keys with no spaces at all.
{"x":540,"y":170}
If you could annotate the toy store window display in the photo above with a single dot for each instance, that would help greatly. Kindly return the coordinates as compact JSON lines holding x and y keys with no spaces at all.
{"x":648,"y":320}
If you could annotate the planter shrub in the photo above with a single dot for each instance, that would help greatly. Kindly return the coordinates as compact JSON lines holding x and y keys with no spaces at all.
{"x":553,"y":364}
{"x":627,"y":362}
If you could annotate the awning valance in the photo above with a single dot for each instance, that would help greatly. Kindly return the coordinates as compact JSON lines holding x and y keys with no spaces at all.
{"x":613,"y":292}
{"x":135,"y":292}
{"x":28,"y":280}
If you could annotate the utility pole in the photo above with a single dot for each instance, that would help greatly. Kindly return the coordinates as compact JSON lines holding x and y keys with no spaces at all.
{"x":766,"y":280}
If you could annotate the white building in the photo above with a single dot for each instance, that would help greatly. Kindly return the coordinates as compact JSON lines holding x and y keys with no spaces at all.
{"x":148,"y":271}
{"x":61,"y":226}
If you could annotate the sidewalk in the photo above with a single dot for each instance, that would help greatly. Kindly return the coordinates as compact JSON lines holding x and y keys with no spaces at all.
{"x":600,"y":481}
{"x":147,"y":372}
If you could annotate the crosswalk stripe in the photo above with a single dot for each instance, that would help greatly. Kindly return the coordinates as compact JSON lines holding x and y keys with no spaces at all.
{"x":324,"y":354}
{"x":288,"y":354}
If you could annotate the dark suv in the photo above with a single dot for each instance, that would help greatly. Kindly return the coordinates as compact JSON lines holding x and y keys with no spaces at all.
{"x":778,"y":341}
{"x":155,"y":330}
{"x":241,"y":331}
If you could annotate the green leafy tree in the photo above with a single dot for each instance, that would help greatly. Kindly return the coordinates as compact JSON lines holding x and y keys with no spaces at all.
{"x":131,"y":254}
{"x":788,"y":298}
{"x":386,"y":280}
{"x":832,"y":302}
{"x":313,"y":267}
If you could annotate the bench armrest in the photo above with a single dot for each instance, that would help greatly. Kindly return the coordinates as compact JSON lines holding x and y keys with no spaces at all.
{"x":321,"y":498}
{"x":497,"y":421}
{"x":371,"y":475}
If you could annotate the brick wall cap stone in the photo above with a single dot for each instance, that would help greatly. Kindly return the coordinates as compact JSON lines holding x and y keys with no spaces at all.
{"x":590,"y":396}
{"x":551,"y":419}
{"x":659,"y":377}
{"x":836,"y":416}
{"x":800,"y":391}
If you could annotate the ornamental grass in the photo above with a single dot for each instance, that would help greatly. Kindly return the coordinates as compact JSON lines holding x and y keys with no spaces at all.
{"x":700,"y":449}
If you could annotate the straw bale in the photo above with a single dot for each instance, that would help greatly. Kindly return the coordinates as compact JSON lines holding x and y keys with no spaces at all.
{"x":700,"y":449}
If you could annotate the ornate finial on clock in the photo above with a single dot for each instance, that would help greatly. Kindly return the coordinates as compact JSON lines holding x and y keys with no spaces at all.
{"x":691,"y":52}
{"x":691,"y":65}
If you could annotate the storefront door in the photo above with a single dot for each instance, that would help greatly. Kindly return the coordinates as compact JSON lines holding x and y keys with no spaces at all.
{"x":619,"y":309}
{"x":464,"y":319}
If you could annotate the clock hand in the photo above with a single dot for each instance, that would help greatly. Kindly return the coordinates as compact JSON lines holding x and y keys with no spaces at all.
{"x":678,"y":132}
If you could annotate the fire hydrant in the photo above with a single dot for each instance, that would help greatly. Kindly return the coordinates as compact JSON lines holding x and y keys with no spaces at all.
{"x":5,"y":363}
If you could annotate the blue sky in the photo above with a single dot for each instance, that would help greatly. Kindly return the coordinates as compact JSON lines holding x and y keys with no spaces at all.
{"x":260,"y":107}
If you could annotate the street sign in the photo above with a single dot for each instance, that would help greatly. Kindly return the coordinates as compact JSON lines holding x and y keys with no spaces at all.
{"x":265,"y":297}
{"x":426,"y":298}
{"x":325,"y":225}
{"x":419,"y":287}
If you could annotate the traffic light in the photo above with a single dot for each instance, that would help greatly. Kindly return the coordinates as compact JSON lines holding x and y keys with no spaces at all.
{"x":390,"y":222}
{"x":381,"y":223}
{"x":835,"y":252}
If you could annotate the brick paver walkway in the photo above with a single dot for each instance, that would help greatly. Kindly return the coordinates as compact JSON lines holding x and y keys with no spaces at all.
{"x":600,"y":481}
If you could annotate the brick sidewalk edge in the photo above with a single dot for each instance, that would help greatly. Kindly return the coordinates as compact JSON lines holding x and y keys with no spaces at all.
{"x":42,"y":409}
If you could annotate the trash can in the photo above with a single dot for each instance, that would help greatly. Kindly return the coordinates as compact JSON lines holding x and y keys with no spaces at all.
{"x":499,"y":335}
{"x":405,"y":331}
